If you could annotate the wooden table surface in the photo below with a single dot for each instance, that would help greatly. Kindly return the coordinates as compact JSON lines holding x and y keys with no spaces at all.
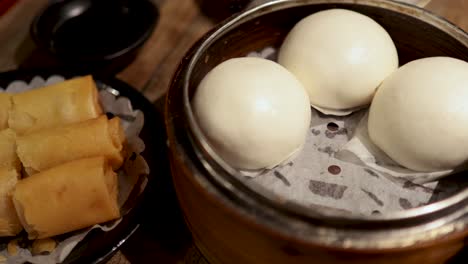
{"x":180,"y":24}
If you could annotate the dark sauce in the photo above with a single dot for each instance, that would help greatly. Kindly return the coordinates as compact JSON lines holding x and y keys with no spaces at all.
{"x":98,"y":32}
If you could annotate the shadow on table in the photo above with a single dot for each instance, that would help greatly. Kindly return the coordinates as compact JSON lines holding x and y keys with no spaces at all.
{"x":163,"y":236}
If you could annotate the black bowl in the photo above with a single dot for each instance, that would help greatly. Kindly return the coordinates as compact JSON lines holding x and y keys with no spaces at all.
{"x":94,"y":33}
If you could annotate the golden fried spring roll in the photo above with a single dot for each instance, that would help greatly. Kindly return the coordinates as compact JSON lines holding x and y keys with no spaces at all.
{"x":68,"y":197}
{"x":47,"y":148}
{"x":9,"y":222}
{"x":67,"y":102}
{"x":8,"y":157}
{"x":5,"y":105}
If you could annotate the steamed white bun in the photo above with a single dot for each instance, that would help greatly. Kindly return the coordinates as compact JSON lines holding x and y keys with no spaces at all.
{"x":254,"y":112}
{"x":340,"y":56}
{"x":419,"y":115}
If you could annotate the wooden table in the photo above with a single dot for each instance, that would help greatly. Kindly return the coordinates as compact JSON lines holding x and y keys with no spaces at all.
{"x":180,"y":25}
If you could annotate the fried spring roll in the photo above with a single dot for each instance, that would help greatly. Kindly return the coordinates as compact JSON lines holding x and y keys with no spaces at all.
{"x":5,"y":105}
{"x":68,"y":197}
{"x":8,"y":156}
{"x":9,"y":221}
{"x":47,"y":148}
{"x":66,"y":102}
